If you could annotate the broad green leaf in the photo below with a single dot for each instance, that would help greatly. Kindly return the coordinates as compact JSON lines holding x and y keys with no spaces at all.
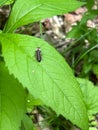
{"x":12,"y":101}
{"x":29,"y":11}
{"x":90,"y":93}
{"x":50,"y":80}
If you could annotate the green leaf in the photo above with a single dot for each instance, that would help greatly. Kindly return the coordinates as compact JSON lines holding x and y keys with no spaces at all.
{"x":6,"y":2}
{"x":81,"y":29}
{"x":85,"y":53}
{"x":9,"y":2}
{"x":90,"y":93}
{"x":0,"y":31}
{"x":27,"y":124}
{"x":2,"y":2}
{"x":32,"y":102}
{"x":76,"y":32}
{"x":92,"y":128}
{"x":95,"y":69}
{"x":94,"y":56}
{"x":90,"y":4}
{"x":29,"y":11}
{"x":50,"y":80}
{"x":12,"y":101}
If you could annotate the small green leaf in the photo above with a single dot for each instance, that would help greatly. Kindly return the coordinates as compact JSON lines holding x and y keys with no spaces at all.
{"x":27,"y":124}
{"x":29,"y":11}
{"x":32,"y":102}
{"x":85,"y":53}
{"x":93,"y":56}
{"x":95,"y":69}
{"x":6,"y":2}
{"x":76,"y":32}
{"x":90,"y":4}
{"x":12,"y":101}
{"x":90,"y":93}
{"x":50,"y":80}
{"x":0,"y":31}
{"x":9,"y":2}
{"x":92,"y":128}
{"x":2,"y":2}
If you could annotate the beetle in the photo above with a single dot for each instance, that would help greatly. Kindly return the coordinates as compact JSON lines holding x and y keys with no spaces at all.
{"x":38,"y":54}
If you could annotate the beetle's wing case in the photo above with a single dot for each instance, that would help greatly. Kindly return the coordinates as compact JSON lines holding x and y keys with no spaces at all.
{"x":38,"y":54}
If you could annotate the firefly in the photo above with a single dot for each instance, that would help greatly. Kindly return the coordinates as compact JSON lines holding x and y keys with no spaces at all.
{"x":38,"y":54}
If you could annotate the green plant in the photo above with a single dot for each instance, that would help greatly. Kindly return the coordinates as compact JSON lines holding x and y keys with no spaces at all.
{"x":86,"y":44}
{"x":50,"y":81}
